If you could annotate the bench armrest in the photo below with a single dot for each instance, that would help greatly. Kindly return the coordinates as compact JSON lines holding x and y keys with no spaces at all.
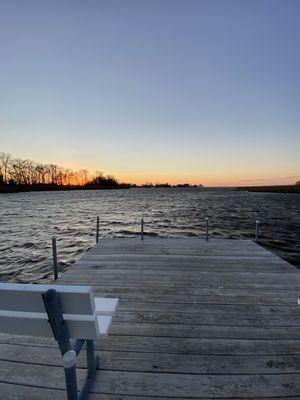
{"x":105,"y":306}
{"x":104,"y":322}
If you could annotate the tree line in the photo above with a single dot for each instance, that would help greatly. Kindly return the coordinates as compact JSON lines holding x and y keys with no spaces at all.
{"x":23,"y":174}
{"x":18,"y":174}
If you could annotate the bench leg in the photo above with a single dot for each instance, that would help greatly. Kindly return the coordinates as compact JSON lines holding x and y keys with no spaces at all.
{"x":92,"y":364}
{"x":71,"y":383}
{"x":77,"y":346}
{"x":69,"y":360}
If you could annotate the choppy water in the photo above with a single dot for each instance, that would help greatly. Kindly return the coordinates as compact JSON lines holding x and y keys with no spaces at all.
{"x":27,"y":221}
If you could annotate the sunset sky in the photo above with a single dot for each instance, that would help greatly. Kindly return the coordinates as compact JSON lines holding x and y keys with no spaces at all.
{"x":154,"y":90}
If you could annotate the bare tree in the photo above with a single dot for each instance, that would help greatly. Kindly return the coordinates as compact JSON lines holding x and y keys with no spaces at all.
{"x":53,"y":173}
{"x":4,"y":165}
{"x":28,"y":173}
{"x":16,"y":170}
{"x":83,"y":175}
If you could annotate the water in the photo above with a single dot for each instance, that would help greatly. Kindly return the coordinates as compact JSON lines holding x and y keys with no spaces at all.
{"x":27,"y":221}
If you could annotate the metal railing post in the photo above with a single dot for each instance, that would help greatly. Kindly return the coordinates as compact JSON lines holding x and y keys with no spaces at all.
{"x":97,"y":230}
{"x":54,"y":256}
{"x":142,"y":229}
{"x":206,"y":229}
{"x":257,"y":230}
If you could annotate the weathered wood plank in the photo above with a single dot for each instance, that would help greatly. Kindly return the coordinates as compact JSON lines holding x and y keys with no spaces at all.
{"x":205,"y":331}
{"x":214,"y":293}
{"x":229,"y":319}
{"x":141,"y":266}
{"x":13,"y":392}
{"x":10,"y":391}
{"x":221,"y":298}
{"x":178,"y":345}
{"x":180,"y":284}
{"x":188,"y":308}
{"x":127,"y":276}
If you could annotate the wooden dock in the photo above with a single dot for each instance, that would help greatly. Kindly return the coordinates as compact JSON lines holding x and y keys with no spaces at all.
{"x":196,"y":320}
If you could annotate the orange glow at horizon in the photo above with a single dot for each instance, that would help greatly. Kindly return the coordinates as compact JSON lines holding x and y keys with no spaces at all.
{"x":209,"y":173}
{"x":207,"y":181}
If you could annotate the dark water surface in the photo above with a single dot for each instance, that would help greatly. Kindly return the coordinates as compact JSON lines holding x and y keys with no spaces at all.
{"x":27,"y":221}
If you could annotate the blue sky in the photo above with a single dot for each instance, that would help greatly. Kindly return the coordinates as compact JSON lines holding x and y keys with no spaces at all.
{"x":198,"y":91}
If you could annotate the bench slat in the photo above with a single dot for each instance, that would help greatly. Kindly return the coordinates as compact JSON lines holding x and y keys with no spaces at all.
{"x":36,"y":324}
{"x":27,"y":297}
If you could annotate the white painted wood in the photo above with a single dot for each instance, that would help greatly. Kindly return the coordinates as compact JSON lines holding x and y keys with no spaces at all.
{"x":104,"y":322}
{"x":36,"y":324}
{"x":27,"y":297}
{"x":22,"y":311}
{"x":105,"y":306}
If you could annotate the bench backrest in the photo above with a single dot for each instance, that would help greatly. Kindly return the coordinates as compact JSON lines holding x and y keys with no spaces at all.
{"x":22,"y":310}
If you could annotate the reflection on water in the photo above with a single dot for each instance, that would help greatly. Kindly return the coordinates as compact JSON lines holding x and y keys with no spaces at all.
{"x":27,"y":220}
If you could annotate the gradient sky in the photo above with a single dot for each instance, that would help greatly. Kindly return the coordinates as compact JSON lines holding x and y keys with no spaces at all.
{"x":158,"y":90}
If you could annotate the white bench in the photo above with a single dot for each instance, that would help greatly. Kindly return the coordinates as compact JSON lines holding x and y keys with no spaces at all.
{"x":65,"y":312}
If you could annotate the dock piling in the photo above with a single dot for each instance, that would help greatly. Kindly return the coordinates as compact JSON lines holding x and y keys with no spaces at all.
{"x":142,"y":229}
{"x":206,"y":229}
{"x":97,"y":230}
{"x":54,"y":256}
{"x":257,"y":230}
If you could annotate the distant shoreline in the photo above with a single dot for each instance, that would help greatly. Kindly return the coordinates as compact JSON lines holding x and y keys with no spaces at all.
{"x":52,"y":188}
{"x":7,"y":188}
{"x":272,"y":189}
